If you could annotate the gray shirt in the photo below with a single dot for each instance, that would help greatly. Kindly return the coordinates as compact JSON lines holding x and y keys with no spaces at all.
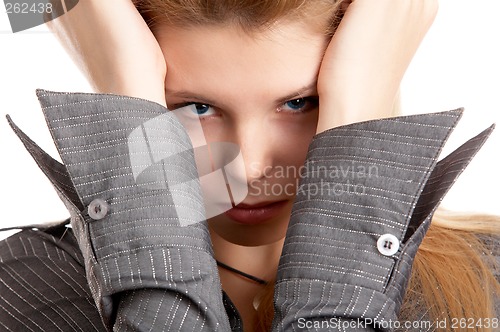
{"x":363,"y":206}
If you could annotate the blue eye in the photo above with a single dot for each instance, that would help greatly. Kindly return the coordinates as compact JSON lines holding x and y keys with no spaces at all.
{"x":296,"y":104}
{"x":299,"y":105}
{"x":199,"y":109}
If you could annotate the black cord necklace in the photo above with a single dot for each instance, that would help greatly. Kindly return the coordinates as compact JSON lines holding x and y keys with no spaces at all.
{"x":243,"y":274}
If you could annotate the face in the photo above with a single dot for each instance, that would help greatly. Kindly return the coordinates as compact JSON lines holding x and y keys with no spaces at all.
{"x":257,"y":91}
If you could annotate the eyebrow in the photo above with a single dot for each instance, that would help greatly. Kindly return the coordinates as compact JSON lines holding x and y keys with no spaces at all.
{"x":301,"y":93}
{"x":185,"y":94}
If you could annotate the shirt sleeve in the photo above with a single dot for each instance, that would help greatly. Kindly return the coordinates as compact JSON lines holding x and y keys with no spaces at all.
{"x":138,"y":216}
{"x":130,"y":182}
{"x":363,"y":206}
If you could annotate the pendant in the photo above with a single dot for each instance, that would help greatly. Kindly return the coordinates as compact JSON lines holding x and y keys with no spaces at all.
{"x":257,"y":300}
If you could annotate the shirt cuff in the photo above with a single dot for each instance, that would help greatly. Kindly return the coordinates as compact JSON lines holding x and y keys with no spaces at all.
{"x":363,"y":206}
{"x":138,"y":216}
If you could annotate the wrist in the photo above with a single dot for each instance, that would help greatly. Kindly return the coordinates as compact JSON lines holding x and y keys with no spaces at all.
{"x":133,"y":85}
{"x":341,"y":109}
{"x":149,"y":91}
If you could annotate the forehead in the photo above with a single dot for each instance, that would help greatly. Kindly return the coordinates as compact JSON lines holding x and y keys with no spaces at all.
{"x":217,"y":59}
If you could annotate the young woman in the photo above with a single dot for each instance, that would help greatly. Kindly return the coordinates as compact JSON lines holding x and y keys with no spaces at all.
{"x":273,"y":78}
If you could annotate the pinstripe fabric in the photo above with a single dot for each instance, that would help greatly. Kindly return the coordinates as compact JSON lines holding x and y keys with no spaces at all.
{"x":139,"y":245}
{"x":398,"y":199}
{"x":43,"y":285}
{"x":144,"y":272}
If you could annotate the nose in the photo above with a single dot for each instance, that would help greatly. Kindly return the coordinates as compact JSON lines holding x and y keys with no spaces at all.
{"x":256,"y":143}
{"x":233,"y":160}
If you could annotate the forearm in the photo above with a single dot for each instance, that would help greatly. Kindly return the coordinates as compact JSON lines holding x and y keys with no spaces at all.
{"x":367,"y":58}
{"x":146,"y":245}
{"x":363,"y":182}
{"x":114,"y":48}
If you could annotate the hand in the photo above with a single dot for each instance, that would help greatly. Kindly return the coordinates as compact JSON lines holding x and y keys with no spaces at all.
{"x":367,"y":58}
{"x":114,"y":48}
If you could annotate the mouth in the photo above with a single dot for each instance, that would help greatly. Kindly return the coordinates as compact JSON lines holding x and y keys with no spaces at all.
{"x":252,"y":214}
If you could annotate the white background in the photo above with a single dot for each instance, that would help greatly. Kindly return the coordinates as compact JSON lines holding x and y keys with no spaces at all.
{"x":458,"y":65}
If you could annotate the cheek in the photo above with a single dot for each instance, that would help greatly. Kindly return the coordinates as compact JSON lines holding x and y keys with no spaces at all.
{"x":293,"y":140}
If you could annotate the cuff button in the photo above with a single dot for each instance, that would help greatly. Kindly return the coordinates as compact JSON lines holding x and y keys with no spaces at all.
{"x":388,"y":244}
{"x":98,"y":209}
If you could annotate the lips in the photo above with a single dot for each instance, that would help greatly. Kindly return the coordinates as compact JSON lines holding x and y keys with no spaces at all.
{"x":251,"y":214}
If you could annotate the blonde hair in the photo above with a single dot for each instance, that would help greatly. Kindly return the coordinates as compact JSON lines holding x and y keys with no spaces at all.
{"x":453,"y":270}
{"x":251,"y":16}
{"x":452,"y":275}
